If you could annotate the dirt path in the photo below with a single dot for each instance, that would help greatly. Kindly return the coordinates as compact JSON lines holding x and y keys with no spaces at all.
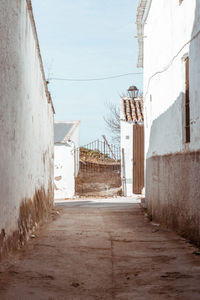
{"x":97,"y":250}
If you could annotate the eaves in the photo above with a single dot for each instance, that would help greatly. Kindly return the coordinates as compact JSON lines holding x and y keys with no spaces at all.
{"x":141,"y":16}
{"x":32,"y":20}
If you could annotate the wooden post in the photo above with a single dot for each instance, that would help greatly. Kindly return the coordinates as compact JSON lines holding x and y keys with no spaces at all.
{"x":105,"y":141}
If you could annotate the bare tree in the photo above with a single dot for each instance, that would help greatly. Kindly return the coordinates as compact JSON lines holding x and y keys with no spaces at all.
{"x":112,"y":121}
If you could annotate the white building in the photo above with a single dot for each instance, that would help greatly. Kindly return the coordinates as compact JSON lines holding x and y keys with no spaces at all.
{"x":169,"y":47}
{"x":26,"y":127}
{"x":132,"y":145}
{"x":66,"y":158}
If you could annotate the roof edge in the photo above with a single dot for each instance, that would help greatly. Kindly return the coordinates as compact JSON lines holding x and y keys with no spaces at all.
{"x":74,"y":127}
{"x":68,"y":121}
{"x":141,"y":16}
{"x":32,"y":20}
{"x":67,"y":137}
{"x":70,"y":133}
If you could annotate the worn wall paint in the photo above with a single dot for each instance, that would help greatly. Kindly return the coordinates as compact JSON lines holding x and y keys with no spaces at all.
{"x":172,"y":172}
{"x":64,"y":171}
{"x":26,"y":120}
{"x":173,"y":192}
{"x":126,"y":130}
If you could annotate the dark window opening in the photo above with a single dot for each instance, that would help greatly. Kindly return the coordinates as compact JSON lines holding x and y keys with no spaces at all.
{"x":187,"y":102}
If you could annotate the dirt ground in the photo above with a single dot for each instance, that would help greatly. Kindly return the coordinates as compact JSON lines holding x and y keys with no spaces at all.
{"x":98,"y":184}
{"x":104,"y":249}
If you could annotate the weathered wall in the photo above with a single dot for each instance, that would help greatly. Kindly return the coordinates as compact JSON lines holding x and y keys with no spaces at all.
{"x":126,"y":130}
{"x":26,"y":126}
{"x":170,"y":26}
{"x":64,"y":184}
{"x":172,"y":171}
{"x":173,"y":192}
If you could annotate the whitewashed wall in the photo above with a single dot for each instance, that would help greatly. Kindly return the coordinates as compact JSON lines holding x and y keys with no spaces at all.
{"x":168,"y":28}
{"x":66,"y":167}
{"x":127,"y":144}
{"x":26,"y":122}
{"x":64,"y":171}
{"x":172,"y":32}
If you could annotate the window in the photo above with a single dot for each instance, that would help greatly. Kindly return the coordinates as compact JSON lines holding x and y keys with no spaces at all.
{"x":187,"y":102}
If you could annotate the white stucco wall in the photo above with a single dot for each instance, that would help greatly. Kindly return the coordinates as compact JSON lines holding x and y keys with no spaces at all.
{"x":64,"y":171}
{"x":66,"y":166}
{"x":127,"y":144}
{"x":26,"y":117}
{"x":171,"y":33}
{"x":168,"y":28}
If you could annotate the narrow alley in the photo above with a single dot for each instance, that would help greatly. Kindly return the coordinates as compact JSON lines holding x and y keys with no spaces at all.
{"x":102,"y":249}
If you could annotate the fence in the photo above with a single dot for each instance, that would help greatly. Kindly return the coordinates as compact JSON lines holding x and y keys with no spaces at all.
{"x":99,"y":156}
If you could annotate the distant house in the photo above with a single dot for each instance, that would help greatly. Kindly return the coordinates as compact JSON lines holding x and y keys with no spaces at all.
{"x":132,"y":145}
{"x":169,"y":47}
{"x":66,"y":160}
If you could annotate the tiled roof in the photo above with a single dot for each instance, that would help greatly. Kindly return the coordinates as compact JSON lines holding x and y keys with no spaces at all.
{"x":63,"y":130}
{"x":131,"y":110}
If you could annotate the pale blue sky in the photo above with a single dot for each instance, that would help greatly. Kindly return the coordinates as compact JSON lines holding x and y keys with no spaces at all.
{"x":87,"y":39}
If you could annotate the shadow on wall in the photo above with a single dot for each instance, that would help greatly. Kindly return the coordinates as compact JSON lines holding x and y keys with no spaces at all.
{"x":167,"y":130}
{"x":195,"y":62}
{"x":172,"y":181}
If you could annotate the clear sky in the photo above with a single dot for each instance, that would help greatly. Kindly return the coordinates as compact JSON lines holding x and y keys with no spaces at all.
{"x":87,"y":39}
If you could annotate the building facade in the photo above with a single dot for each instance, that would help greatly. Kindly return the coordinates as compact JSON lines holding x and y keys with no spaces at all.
{"x":26,"y":126}
{"x":66,"y":164}
{"x":132,"y":145}
{"x":169,"y":46}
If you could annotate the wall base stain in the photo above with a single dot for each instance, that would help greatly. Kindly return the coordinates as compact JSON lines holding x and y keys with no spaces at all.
{"x":31,"y":213}
{"x":173,"y":192}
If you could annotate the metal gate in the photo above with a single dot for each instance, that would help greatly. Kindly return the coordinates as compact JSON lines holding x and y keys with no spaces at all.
{"x":138,"y":158}
{"x":99,"y":156}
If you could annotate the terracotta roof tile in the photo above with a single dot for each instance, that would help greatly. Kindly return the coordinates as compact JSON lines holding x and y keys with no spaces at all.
{"x":131,"y":110}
